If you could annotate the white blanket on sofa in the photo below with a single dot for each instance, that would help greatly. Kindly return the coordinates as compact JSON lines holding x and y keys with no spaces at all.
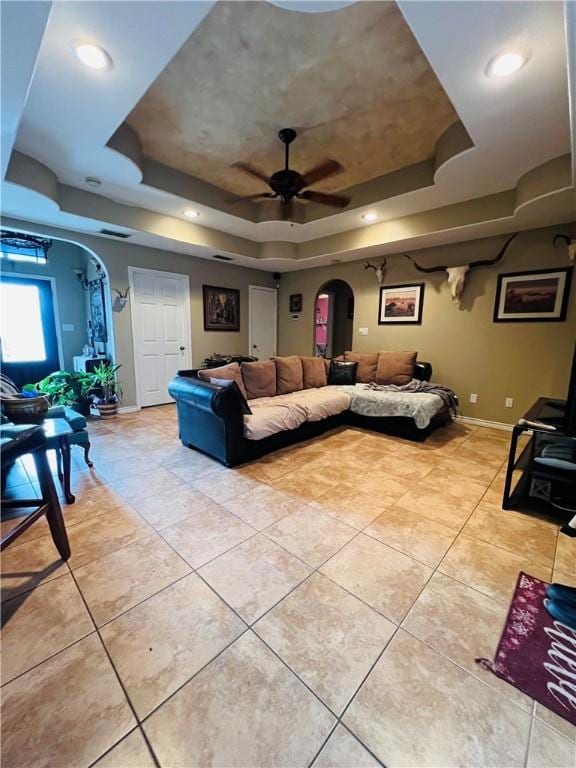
{"x":420,"y":406}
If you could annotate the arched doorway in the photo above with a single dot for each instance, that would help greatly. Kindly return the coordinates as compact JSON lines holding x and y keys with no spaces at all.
{"x":333,"y":319}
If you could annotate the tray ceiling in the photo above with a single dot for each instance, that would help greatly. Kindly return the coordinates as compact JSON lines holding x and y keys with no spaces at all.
{"x":355,"y":84}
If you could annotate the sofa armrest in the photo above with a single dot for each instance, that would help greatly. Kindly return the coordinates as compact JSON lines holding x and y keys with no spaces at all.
{"x":423,"y":371}
{"x":220,"y":401}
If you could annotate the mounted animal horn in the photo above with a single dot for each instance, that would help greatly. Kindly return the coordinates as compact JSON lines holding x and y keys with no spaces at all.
{"x":570,"y":242}
{"x":457,"y":275}
{"x":380,"y":271}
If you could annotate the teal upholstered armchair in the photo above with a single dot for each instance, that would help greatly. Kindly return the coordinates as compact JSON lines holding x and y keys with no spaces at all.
{"x":78,"y":423}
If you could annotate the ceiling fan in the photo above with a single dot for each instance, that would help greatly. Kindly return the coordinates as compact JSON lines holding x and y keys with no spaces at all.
{"x":288,"y":185}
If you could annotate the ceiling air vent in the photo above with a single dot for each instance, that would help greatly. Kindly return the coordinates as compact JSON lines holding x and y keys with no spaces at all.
{"x":222,"y":258}
{"x":113,"y":233}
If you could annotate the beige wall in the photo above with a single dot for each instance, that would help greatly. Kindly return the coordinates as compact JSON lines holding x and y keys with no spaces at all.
{"x":63,"y":258}
{"x":117,"y":257}
{"x":468,"y":351}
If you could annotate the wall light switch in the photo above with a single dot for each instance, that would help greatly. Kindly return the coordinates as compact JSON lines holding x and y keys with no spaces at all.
{"x":509,"y":402}
{"x":363,"y":331}
{"x":473,"y":398}
{"x":67,"y":326}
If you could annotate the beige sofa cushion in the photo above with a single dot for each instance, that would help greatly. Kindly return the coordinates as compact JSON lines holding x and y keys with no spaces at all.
{"x":395,"y":367}
{"x":314,"y":372}
{"x":288,"y":374}
{"x":367,"y":364}
{"x":318,"y":404}
{"x":271,"y":415}
{"x":230,"y":371}
{"x":259,"y":379}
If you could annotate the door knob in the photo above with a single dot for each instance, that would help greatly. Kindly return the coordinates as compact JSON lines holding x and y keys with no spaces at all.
{"x":254,"y":346}
{"x":182,"y":349}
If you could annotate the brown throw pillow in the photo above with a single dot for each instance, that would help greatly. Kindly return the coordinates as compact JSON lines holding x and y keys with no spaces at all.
{"x":259,"y":379}
{"x":367,"y":364}
{"x":230,"y":371}
{"x":395,"y":367}
{"x":289,"y":376}
{"x":314,"y":372}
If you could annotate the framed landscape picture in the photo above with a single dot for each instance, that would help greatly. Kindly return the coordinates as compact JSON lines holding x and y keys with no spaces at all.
{"x":97,"y":312}
{"x":401,"y":304}
{"x":221,"y":308}
{"x":541,"y":295}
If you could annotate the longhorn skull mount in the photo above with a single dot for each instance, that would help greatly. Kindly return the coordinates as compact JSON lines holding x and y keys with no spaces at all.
{"x":570,"y":242}
{"x":380,"y":271}
{"x":457,"y":275}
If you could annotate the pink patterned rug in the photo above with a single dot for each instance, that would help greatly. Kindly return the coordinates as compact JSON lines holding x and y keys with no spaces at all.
{"x":536,"y":654}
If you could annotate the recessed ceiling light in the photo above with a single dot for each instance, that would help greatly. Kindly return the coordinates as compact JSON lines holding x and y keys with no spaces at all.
{"x":92,"y":55}
{"x":369,"y":217}
{"x":191,"y":213}
{"x":506,"y":64}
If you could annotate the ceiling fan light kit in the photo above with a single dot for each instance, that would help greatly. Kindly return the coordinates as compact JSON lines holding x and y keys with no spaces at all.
{"x":288,"y":185}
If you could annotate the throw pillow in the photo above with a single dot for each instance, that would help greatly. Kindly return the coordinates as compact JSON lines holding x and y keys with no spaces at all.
{"x":395,"y":367}
{"x":230,"y":371}
{"x":259,"y":379}
{"x":367,"y":364}
{"x":231,"y":384}
{"x":314,"y":372}
{"x":289,"y":377}
{"x":342,"y":372}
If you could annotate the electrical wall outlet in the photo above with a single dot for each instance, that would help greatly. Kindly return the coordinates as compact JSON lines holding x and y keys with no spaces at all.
{"x":363,"y":331}
{"x":473,"y":398}
{"x":509,"y":402}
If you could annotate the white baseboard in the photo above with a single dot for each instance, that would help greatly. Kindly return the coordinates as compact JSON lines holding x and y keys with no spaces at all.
{"x":128,"y":409}
{"x":485,"y":423}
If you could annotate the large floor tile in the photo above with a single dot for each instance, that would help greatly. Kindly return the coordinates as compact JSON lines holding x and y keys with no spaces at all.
{"x":304,"y":487}
{"x":565,"y":559}
{"x":38,"y":624}
{"x":342,"y":750}
{"x":327,"y":636}
{"x":310,"y":535}
{"x":414,"y":468}
{"x":382,"y":485}
{"x":223,"y":485}
{"x":144,"y":484}
{"x":131,"y":752}
{"x":161,"y":643}
{"x":165,"y":509}
{"x":244,"y":709}
{"x":135,"y":463}
{"x":122,"y":579}
{"x":66,"y":712}
{"x":25,"y":566}
{"x":490,"y":569}
{"x":463,"y":624}
{"x":350,"y":505}
{"x":550,"y":749}
{"x":254,"y":576}
{"x":104,"y":534}
{"x":387,"y":580}
{"x":262,"y":506}
{"x":510,"y":531}
{"x":416,"y":536}
{"x":470,"y":466}
{"x":195,"y":466}
{"x":207,"y":534}
{"x":417,"y":708}
{"x":556,"y":722}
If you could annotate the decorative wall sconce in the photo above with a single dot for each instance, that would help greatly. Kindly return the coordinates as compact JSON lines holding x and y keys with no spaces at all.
{"x":83,"y":280}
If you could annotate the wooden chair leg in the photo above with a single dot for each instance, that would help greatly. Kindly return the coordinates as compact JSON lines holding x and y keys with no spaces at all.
{"x":86,"y":452}
{"x":50,"y":497}
{"x":59,"y":465}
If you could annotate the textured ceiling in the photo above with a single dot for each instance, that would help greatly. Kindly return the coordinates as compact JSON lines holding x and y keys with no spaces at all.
{"x":354,"y":83}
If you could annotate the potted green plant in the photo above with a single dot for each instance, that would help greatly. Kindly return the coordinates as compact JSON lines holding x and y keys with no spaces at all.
{"x":66,"y":388}
{"x":108,"y":397}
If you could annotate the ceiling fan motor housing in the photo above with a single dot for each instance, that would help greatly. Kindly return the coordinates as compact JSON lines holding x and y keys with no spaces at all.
{"x":286,"y":183}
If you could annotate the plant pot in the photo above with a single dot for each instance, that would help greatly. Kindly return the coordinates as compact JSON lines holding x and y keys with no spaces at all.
{"x":25,"y":410}
{"x":108,"y":410}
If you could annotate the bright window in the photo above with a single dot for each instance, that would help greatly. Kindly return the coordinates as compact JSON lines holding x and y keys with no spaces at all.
{"x":21,"y":324}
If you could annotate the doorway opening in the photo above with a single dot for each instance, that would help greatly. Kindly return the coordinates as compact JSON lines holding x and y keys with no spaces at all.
{"x":333,"y":319}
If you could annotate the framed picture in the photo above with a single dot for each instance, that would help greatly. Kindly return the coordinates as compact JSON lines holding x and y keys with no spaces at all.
{"x":295,"y":303}
{"x":221,"y":308}
{"x":97,"y":312}
{"x":537,"y":296}
{"x":401,"y":304}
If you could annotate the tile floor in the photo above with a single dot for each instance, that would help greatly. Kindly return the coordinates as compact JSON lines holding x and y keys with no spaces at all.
{"x":322,"y":606}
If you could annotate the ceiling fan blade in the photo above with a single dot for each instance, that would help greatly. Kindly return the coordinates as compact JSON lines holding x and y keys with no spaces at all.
{"x":335,"y":201}
{"x":251,"y":171}
{"x":259,"y":196}
{"x":322,"y":171}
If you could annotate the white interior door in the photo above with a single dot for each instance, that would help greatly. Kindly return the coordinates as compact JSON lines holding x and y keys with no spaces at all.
{"x":161,"y":331}
{"x":263,"y":319}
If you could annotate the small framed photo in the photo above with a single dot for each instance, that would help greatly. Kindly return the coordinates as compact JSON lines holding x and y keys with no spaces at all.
{"x":221,"y":308}
{"x":401,"y":304}
{"x":295,"y":303}
{"x":538,"y":296}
